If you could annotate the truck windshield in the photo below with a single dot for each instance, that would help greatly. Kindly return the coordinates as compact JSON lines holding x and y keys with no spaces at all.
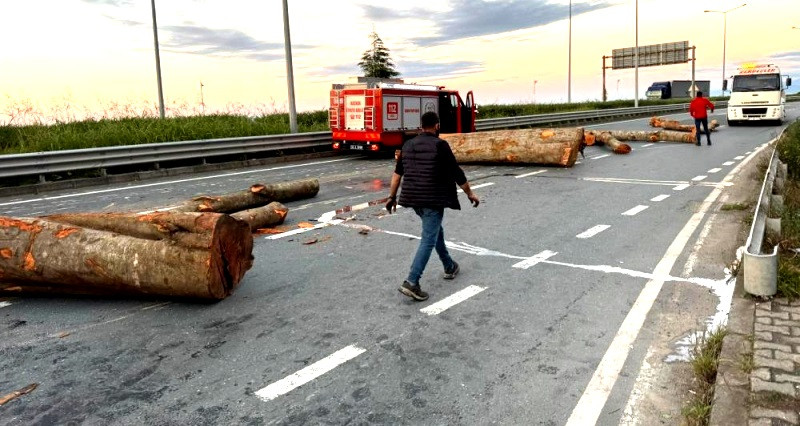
{"x":756,"y":83}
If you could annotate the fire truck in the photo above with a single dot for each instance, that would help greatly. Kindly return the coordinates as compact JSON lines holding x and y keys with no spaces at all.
{"x":381,"y":114}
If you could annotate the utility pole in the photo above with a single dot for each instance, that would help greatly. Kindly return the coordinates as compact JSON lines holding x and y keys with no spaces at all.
{"x":158,"y":62}
{"x":289,"y":72}
{"x":569,"y":61}
{"x":636,"y":61}
{"x":202,"y":101}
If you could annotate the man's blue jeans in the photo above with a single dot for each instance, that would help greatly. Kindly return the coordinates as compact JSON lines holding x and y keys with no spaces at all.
{"x":704,"y":122}
{"x":432,"y":237}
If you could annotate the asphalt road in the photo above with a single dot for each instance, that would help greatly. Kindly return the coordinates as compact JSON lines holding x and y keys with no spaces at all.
{"x":557,"y":269}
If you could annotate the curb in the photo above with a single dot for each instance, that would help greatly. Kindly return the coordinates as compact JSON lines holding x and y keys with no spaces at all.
{"x":732,"y":389}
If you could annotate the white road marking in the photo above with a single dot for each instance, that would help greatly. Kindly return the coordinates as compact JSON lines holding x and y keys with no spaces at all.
{"x":593,"y":231}
{"x":304,"y":230}
{"x":452,"y":300}
{"x":594,"y":398}
{"x":530,"y":174}
{"x":5,"y":304}
{"x":714,"y":170}
{"x":483,"y":185}
{"x":681,"y":187}
{"x":699,"y":178}
{"x":646,"y":145}
{"x":600,"y":156}
{"x":661,"y":197}
{"x":728,"y":163}
{"x":577,"y":162}
{"x":636,"y":210}
{"x":635,"y":181}
{"x":532,"y":261}
{"x":748,"y":152}
{"x":172,"y":182}
{"x":739,"y":157}
{"x":309,"y":373}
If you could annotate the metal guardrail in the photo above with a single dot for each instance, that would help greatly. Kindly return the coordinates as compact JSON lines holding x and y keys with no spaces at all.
{"x":761,"y":269}
{"x":42,"y":163}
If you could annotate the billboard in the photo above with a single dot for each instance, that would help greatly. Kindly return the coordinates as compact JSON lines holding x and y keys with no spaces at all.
{"x":652,"y":55}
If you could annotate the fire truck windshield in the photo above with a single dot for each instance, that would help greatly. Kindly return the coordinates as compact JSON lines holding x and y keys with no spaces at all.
{"x":756,"y":83}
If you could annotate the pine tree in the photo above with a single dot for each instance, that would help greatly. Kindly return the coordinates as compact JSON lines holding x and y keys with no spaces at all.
{"x":376,"y":62}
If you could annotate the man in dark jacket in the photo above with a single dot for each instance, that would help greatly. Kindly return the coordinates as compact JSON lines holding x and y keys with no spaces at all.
{"x":429,"y":172}
{"x":697,"y":109}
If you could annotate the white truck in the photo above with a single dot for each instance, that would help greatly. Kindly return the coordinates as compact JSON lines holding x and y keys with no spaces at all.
{"x":758,"y":93}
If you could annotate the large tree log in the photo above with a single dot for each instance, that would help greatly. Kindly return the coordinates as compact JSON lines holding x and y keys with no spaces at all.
{"x":535,"y":146}
{"x":653,"y":136}
{"x":610,"y":141}
{"x":258,"y":195}
{"x":262,"y":217}
{"x":677,"y":126}
{"x":193,"y":255}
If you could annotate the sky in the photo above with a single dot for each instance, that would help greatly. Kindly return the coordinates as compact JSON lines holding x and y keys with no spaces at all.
{"x":69,"y":59}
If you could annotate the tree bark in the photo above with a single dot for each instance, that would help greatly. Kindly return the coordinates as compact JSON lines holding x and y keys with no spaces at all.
{"x":191,"y":255}
{"x":558,"y":146}
{"x":653,"y":136}
{"x":270,"y":215}
{"x":258,"y":195}
{"x":610,"y":141}
{"x":677,"y":126}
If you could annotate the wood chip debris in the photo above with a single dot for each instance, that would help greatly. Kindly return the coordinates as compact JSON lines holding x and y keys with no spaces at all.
{"x":18,"y":393}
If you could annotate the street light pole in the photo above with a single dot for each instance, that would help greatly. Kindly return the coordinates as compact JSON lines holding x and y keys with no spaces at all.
{"x":636,"y":61}
{"x":289,"y":68}
{"x":534,"y":90}
{"x":724,"y":37}
{"x":569,"y":61}
{"x":158,"y":62}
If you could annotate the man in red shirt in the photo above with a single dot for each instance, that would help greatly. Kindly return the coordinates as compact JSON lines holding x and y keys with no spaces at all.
{"x":697,"y":109}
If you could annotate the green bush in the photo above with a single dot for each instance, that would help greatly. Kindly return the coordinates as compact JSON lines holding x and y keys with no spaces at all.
{"x":789,"y":149}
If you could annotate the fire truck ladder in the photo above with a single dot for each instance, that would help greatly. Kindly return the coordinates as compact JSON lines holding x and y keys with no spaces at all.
{"x":369,"y":110}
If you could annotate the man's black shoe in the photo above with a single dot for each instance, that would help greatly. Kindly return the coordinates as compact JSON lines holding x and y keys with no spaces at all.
{"x":708,"y":143}
{"x":698,"y":144}
{"x":449,"y":275}
{"x":413,"y":291}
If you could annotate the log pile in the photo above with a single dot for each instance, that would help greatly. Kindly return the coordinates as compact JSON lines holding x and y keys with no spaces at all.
{"x":677,"y":126}
{"x":197,"y":251}
{"x":557,"y":146}
{"x":607,"y":138}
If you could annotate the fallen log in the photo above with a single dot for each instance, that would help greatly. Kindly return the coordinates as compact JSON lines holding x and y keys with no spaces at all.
{"x":677,"y":126}
{"x":533,"y":146}
{"x":256,"y":196}
{"x":270,"y":215}
{"x":653,"y":136}
{"x":610,"y":141}
{"x":191,"y":255}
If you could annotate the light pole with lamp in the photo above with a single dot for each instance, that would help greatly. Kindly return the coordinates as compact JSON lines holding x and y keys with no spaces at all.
{"x":289,"y":68}
{"x":724,"y":36}
{"x":569,"y":61}
{"x":534,"y":90}
{"x":158,"y":62}
{"x":636,"y":61}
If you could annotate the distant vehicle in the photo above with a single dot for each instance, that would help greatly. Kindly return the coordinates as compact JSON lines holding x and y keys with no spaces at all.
{"x":375,"y":114}
{"x":758,"y":93}
{"x":676,"y":89}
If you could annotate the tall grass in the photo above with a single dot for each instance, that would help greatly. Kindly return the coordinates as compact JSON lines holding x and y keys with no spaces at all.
{"x":789,"y":258}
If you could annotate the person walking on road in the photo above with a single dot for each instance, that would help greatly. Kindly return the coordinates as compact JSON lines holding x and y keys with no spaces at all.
{"x":697,"y":109}
{"x":429,"y":174}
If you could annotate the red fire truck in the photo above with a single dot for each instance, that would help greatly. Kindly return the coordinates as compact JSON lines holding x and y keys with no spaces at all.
{"x":377,"y":114}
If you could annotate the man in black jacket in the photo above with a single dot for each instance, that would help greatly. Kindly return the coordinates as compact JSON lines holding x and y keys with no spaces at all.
{"x":429,"y":172}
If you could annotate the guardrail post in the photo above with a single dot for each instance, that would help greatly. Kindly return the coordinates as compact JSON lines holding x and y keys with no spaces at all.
{"x":761,"y":269}
{"x":42,"y":179}
{"x":103,"y":172}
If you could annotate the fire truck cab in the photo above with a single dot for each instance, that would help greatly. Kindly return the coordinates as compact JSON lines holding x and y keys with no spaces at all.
{"x":377,"y":114}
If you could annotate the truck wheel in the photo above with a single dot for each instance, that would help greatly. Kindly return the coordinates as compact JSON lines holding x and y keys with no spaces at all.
{"x":732,"y":123}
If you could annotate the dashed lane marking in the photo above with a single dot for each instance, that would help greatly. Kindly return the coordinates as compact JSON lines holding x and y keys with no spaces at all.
{"x":728,"y":163}
{"x":600,"y":156}
{"x":661,"y":197}
{"x":5,"y":304}
{"x":483,"y":185}
{"x":636,"y":210}
{"x":452,"y":300}
{"x":534,"y":260}
{"x":530,"y":174}
{"x":681,"y":187}
{"x":699,"y":178}
{"x":309,"y":373}
{"x":741,"y":157}
{"x":646,"y":145}
{"x":591,"y":232}
{"x":714,"y":170}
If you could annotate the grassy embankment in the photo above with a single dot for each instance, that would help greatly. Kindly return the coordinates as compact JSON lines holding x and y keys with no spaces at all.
{"x":146,"y":129}
{"x":789,"y":251}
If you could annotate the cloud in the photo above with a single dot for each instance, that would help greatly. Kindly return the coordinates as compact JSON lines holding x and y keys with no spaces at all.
{"x":409,"y":69}
{"x":471,"y":18}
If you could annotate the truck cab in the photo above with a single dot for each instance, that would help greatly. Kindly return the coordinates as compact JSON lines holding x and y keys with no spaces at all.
{"x":758,"y":93}
{"x":659,"y":90}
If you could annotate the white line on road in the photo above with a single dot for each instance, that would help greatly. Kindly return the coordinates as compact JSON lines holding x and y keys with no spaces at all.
{"x":728,"y":163}
{"x":714,"y":170}
{"x":699,"y":178}
{"x":594,"y":398}
{"x":530,"y":174}
{"x":483,"y":185}
{"x":646,"y":145}
{"x":532,"y":261}
{"x":681,"y":187}
{"x":636,"y":210}
{"x":5,"y":304}
{"x":452,"y":300}
{"x":591,"y":232}
{"x":748,"y":152}
{"x":309,"y":373}
{"x":741,"y":157}
{"x":304,"y":230}
{"x":661,"y":197}
{"x":600,"y":156}
{"x":172,"y":182}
